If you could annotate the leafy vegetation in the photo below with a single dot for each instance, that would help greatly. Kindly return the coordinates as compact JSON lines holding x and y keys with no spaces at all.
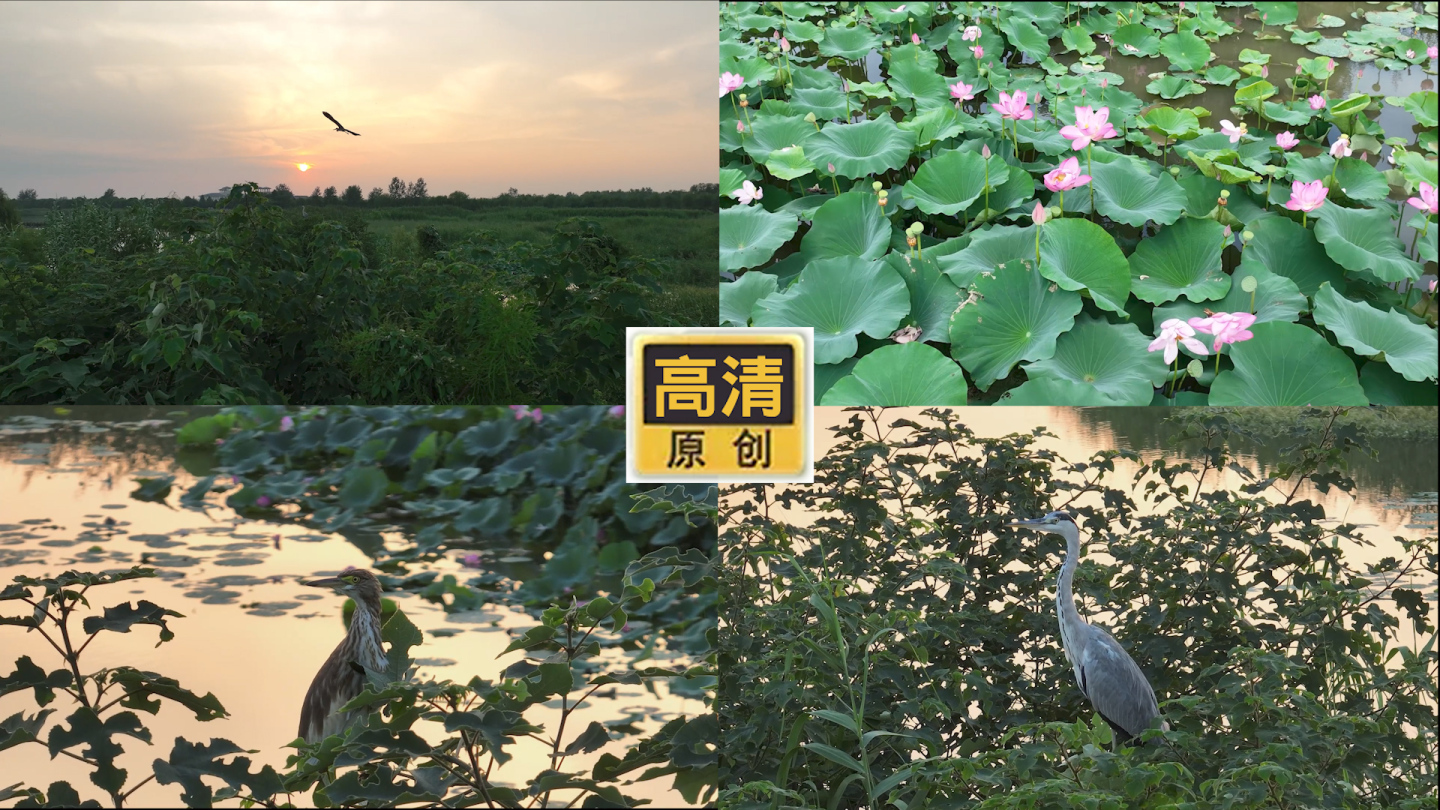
{"x":157,"y":303}
{"x":973,"y":178}
{"x":624,"y":570}
{"x":893,"y":643}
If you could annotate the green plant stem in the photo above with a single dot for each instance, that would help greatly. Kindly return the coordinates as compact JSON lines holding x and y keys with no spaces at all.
{"x":1217,"y":360}
{"x":1090,"y":170}
{"x":1062,"y":202}
{"x":987,"y":185}
{"x":1304,"y":221}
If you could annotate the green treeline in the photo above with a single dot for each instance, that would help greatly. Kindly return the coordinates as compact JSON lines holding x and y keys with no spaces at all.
{"x":157,"y":302}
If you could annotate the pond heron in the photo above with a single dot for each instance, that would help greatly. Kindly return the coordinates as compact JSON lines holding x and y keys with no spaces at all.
{"x":342,"y":677}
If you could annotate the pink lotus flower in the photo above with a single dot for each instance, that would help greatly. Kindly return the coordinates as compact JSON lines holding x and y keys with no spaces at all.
{"x":1306,"y":196}
{"x":1317,"y":102}
{"x":739,"y":126}
{"x":1013,"y":106}
{"x":1173,"y":333}
{"x":784,"y":44}
{"x":748,"y":193}
{"x":1427,"y":200}
{"x":962,"y":91}
{"x":1104,"y":83}
{"x":1330,"y":65}
{"x":1039,"y":214}
{"x":1409,"y":53}
{"x":262,"y":501}
{"x":972,"y":33}
{"x":1089,"y":126}
{"x":985,"y":151}
{"x":286,"y":423}
{"x":1227,"y":327}
{"x":978,"y":51}
{"x":1432,"y":52}
{"x":915,"y":38}
{"x":1286,"y":140}
{"x":730,"y":82}
{"x":1264,"y":71}
{"x":831,"y":167}
{"x":470,"y":561}
{"x":1341,"y":147}
{"x":1235,"y":132}
{"x":1066,"y":176}
{"x":616,"y":412}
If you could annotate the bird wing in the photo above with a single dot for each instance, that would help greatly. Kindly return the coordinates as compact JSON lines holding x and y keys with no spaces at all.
{"x":332,"y":119}
{"x":1115,"y":685}
{"x":352,"y":132}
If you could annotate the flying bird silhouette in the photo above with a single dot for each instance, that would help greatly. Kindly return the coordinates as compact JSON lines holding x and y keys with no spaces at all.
{"x":339,"y":127}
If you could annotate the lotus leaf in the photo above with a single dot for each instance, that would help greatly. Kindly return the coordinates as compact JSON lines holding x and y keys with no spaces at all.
{"x":1363,"y":239}
{"x":1185,"y":51}
{"x":949,"y":182}
{"x":1383,"y":386}
{"x":750,"y":235}
{"x":1287,"y":364}
{"x":771,"y":132}
{"x":1286,"y":249}
{"x":1050,"y":390}
{"x":1125,"y":193}
{"x":860,"y":150}
{"x":849,"y":42}
{"x":738,"y":297}
{"x":1276,"y":298}
{"x":1016,"y":318}
{"x":1183,"y":259}
{"x":788,"y":163}
{"x":901,"y":374}
{"x":1408,"y":347}
{"x":933,"y":296}
{"x":849,"y":225}
{"x":990,"y":251}
{"x":1080,"y":255}
{"x":1111,"y":358}
{"x":840,"y":298}
{"x":1359,"y":180}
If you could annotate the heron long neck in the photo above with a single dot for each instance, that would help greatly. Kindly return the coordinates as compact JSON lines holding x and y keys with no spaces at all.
{"x":1065,"y":601}
{"x":364,"y":635}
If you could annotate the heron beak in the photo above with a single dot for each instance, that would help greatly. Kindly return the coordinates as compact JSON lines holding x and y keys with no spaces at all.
{"x":1028,"y":523}
{"x":328,"y":582}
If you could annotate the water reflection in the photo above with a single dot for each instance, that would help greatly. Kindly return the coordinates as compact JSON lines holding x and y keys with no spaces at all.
{"x":66,"y":484}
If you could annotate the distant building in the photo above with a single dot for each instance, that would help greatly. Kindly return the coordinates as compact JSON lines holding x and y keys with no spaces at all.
{"x":225,"y":192}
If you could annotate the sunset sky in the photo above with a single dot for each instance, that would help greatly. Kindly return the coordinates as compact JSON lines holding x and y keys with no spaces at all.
{"x":158,"y":98}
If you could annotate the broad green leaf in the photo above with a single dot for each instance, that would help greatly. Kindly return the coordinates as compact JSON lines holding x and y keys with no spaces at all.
{"x":750,"y":235}
{"x":861,"y":150}
{"x":989,"y":251}
{"x":1221,"y":74}
{"x":828,"y":374}
{"x":771,"y":132}
{"x":738,"y":297}
{"x":1173,"y":87}
{"x":849,"y":42}
{"x":949,"y":182}
{"x":1185,"y":51}
{"x":189,"y":761}
{"x":914,"y":80}
{"x":852,"y":224}
{"x":1363,"y":239}
{"x":120,"y":618}
{"x":363,"y":488}
{"x":1408,"y":347}
{"x":1125,"y":193}
{"x":841,"y":298}
{"x":1384,"y":386}
{"x":1026,"y":38}
{"x":933,"y":125}
{"x":1111,"y":358}
{"x":1015,"y":319}
{"x":1287,"y":249}
{"x":1287,"y":364}
{"x":1354,"y":103}
{"x":1136,"y":40}
{"x":1295,"y":113}
{"x":788,"y":163}
{"x":1422,"y":105}
{"x":730,"y":181}
{"x":1079,"y":255}
{"x":901,"y":374}
{"x":1055,"y":391}
{"x":1183,"y":259}
{"x":933,"y":296}
{"x":1170,"y":122}
{"x":1276,"y":298}
{"x":1359,"y":180}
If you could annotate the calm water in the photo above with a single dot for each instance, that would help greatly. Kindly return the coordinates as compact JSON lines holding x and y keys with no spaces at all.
{"x":251,"y":634}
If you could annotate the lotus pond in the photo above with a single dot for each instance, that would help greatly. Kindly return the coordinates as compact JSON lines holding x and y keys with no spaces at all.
{"x":1086,"y":203}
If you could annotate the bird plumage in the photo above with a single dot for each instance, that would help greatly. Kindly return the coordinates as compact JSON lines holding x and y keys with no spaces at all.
{"x":342,"y":676}
{"x":339,"y":127}
{"x":1107,"y":675}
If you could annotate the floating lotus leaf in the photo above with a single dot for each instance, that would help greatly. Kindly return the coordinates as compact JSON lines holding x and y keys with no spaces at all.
{"x":1016,"y":318}
{"x":1278,"y":13}
{"x":738,"y":297}
{"x":1185,"y":51}
{"x":849,"y":225}
{"x":1287,"y":249}
{"x":1330,"y":46}
{"x":1170,"y":123}
{"x":1136,"y":40}
{"x":1221,"y":74}
{"x":788,"y":163}
{"x":750,"y":235}
{"x":1363,"y":239}
{"x":1126,"y":193}
{"x":771,"y":132}
{"x":949,"y":182}
{"x":1358,"y":180}
{"x":933,"y":296}
{"x":1172,"y":87}
{"x":913,"y":80}
{"x":1408,"y":347}
{"x":1287,"y":364}
{"x":860,"y":150}
{"x":841,"y":298}
{"x":1383,"y":386}
{"x":1296,"y":113}
{"x":1079,"y":255}
{"x":990,"y":251}
{"x":1055,"y":391}
{"x":849,"y":42}
{"x":1276,"y":298}
{"x":1111,"y":358}
{"x":901,"y":374}
{"x":1183,"y":259}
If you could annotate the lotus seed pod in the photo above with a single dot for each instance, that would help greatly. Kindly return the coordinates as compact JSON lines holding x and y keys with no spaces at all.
{"x":1195,"y":368}
{"x":1225,"y":193}
{"x":742,"y":96}
{"x":877,"y":185}
{"x":883,"y":194}
{"x":810,"y":118}
{"x":1247,"y":235}
{"x":1174,"y":171}
{"x":1248,"y":284}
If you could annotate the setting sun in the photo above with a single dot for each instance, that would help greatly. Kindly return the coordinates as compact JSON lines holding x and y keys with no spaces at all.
{"x":304,"y":167}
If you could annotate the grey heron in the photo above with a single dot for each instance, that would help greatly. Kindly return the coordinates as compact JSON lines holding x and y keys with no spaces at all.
{"x":1108,"y":676}
{"x":339,"y":127}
